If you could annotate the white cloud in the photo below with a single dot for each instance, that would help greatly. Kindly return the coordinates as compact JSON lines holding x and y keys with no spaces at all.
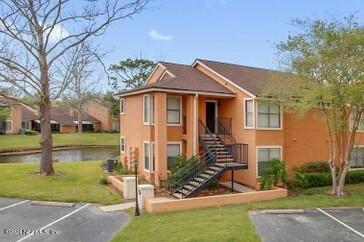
{"x":58,"y":33}
{"x":154,"y":34}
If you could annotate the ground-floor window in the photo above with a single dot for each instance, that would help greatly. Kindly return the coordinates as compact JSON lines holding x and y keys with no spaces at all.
{"x":173,"y":150}
{"x":25,"y":124}
{"x":264,"y":155}
{"x":122,"y":145}
{"x":5,"y":126}
{"x":148,"y":156}
{"x":357,"y":157}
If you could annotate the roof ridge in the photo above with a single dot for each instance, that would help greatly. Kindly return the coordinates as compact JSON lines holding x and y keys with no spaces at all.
{"x":174,"y":63}
{"x":235,"y":64}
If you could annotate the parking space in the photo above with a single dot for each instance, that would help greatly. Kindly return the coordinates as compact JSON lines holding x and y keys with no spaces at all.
{"x":339,"y":224}
{"x":20,"y":220}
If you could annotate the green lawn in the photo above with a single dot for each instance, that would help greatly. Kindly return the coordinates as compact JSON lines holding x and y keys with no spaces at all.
{"x":227,"y":223}
{"x":19,"y":142}
{"x":78,"y":182}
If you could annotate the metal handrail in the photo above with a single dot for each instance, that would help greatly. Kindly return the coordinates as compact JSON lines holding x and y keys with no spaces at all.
{"x":238,"y":151}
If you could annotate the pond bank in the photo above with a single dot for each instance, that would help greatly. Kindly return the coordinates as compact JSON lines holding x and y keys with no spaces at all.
{"x":25,"y":151}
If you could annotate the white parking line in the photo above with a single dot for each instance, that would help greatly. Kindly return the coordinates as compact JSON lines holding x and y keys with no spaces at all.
{"x":13,"y":205}
{"x":343,"y":224}
{"x":56,"y":221}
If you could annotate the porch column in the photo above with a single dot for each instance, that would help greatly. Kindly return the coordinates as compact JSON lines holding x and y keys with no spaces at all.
{"x":195,"y":123}
{"x":190,"y":125}
{"x":160,"y":137}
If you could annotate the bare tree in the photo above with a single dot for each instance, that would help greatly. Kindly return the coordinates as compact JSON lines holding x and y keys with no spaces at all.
{"x":84,"y":77}
{"x":35,"y":36}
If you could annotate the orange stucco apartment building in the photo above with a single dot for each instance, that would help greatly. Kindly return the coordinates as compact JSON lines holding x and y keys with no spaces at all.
{"x":184,"y":109}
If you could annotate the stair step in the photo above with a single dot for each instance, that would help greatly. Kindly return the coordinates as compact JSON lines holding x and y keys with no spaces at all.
{"x":216,"y":168}
{"x":210,"y":172}
{"x":189,"y":187}
{"x":219,"y":164}
{"x":204,"y":175}
{"x":195,"y":183}
{"x":200,"y":180}
{"x":177,"y":195}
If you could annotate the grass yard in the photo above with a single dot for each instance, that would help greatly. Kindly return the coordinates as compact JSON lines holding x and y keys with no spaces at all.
{"x":227,"y":223}
{"x":78,"y":182}
{"x":19,"y":142}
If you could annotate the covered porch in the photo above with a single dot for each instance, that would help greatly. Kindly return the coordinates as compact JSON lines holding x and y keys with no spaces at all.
{"x":203,"y":128}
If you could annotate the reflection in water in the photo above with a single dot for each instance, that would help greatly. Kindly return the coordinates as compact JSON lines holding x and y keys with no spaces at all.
{"x":80,"y":154}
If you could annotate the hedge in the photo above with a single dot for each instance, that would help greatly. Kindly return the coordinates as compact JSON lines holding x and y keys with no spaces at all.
{"x":308,"y":180}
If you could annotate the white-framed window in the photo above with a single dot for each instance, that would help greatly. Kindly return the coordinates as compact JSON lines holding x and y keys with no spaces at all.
{"x":249,"y":113}
{"x":357,"y":157}
{"x":174,"y":110}
{"x":269,"y":115}
{"x":265,"y":154}
{"x":146,"y":109}
{"x":122,"y":105}
{"x":148,"y":156}
{"x":122,"y":145}
{"x":173,"y":149}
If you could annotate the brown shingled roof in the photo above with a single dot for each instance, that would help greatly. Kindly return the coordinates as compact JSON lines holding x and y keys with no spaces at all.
{"x":186,"y":78}
{"x":251,"y":79}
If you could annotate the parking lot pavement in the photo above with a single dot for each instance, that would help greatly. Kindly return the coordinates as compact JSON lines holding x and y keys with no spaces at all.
{"x":22,"y":221}
{"x":346,"y":224}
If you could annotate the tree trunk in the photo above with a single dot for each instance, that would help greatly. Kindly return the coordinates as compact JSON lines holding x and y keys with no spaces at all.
{"x":79,"y":125}
{"x":333,"y":176}
{"x":46,"y":163}
{"x":46,"y":142}
{"x":341,"y":183}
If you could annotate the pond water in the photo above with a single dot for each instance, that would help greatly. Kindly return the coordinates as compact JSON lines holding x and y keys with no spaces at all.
{"x":78,"y":154}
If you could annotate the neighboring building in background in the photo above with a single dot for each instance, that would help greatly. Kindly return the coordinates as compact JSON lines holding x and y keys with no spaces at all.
{"x":63,"y":119}
{"x":99,"y":110}
{"x":12,"y":123}
{"x":212,"y":110}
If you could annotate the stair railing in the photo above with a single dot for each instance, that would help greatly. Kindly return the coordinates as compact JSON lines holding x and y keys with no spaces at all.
{"x":238,"y":151}
{"x":199,"y":163}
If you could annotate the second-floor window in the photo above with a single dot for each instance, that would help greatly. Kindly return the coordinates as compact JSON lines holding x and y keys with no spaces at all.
{"x":148,"y":109}
{"x":269,"y":115}
{"x":249,"y":113}
{"x":174,"y":110}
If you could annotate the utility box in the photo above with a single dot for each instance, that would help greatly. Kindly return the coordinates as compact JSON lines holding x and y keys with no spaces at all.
{"x":129,"y":187}
{"x":144,"y":191}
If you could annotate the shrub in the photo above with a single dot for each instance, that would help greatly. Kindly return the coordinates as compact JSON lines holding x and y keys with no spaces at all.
{"x":316,"y":167}
{"x":275,"y":173}
{"x":103,"y":180}
{"x":354,"y":177}
{"x":30,"y":132}
{"x":308,"y":180}
{"x":180,"y":167}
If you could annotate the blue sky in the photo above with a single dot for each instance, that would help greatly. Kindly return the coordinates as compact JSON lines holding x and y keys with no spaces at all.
{"x":234,"y":31}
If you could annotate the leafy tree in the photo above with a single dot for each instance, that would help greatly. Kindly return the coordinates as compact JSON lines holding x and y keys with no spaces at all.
{"x":130,"y":73}
{"x":113,"y":103}
{"x":4,"y":112}
{"x":327,"y":58}
{"x":35,"y":38}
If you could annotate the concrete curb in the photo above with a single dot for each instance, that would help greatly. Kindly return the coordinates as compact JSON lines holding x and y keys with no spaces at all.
{"x":283,"y":211}
{"x":54,"y":204}
{"x":118,"y":207}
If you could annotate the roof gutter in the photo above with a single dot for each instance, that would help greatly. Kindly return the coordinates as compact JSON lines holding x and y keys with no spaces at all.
{"x":131,"y":93}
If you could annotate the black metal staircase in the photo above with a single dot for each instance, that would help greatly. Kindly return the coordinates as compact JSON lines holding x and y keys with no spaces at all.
{"x":209,"y":165}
